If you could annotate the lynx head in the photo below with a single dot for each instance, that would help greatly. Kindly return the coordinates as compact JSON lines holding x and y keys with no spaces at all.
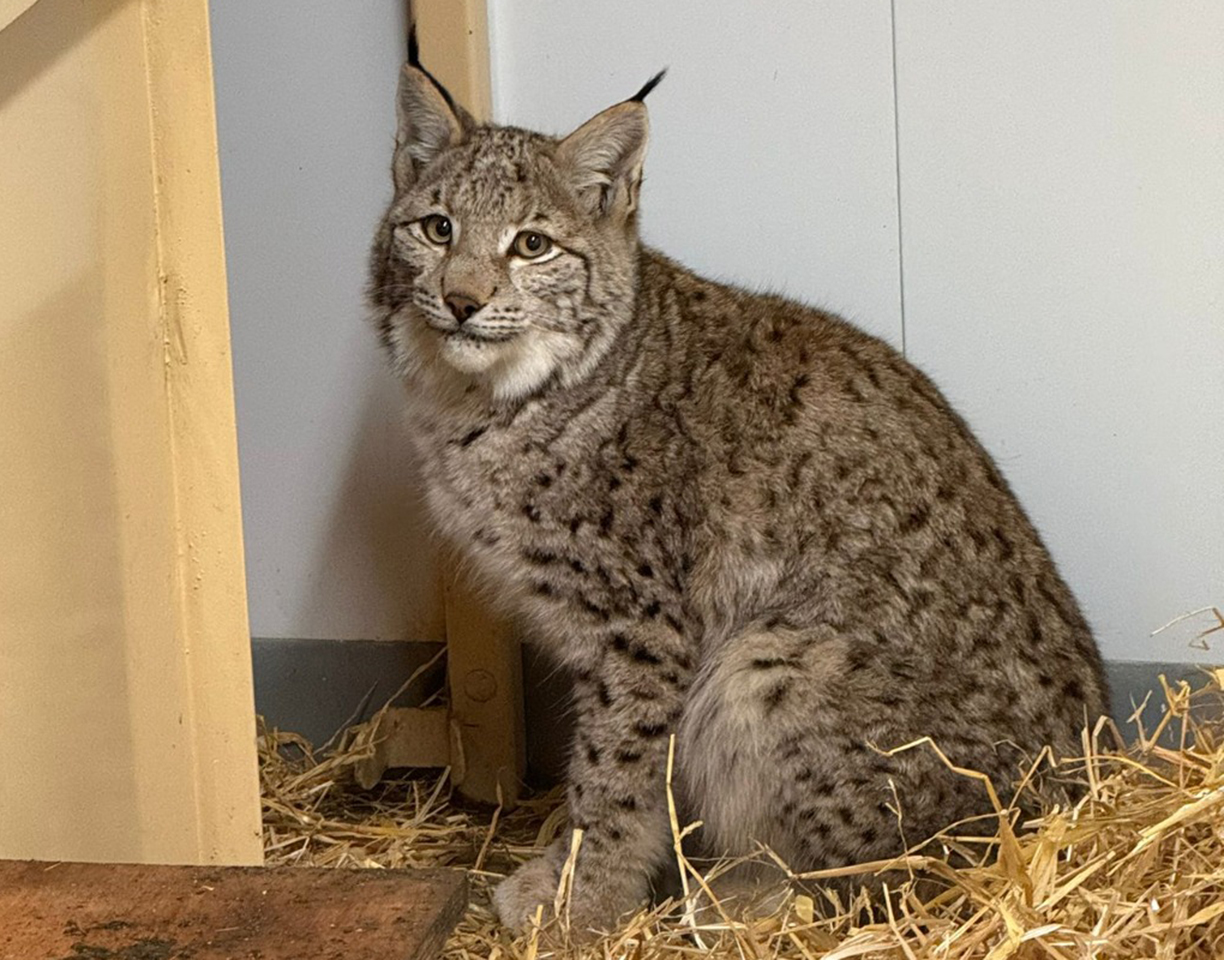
{"x":506,"y":257}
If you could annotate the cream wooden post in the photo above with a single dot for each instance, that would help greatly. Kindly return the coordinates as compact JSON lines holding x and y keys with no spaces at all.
{"x":126,"y":708}
{"x":481,"y":734}
{"x":486,"y":685}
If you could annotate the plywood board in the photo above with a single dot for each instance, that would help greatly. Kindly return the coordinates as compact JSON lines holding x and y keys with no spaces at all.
{"x":129,"y":912}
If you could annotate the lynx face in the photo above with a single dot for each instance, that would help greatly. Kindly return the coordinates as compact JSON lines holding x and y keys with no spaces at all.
{"x":506,"y":257}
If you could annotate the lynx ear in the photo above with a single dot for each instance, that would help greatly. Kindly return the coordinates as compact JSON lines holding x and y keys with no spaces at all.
{"x":429,"y":120}
{"x":603,"y":157}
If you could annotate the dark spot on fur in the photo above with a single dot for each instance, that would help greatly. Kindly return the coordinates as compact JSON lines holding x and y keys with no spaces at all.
{"x":605,"y":698}
{"x":472,"y":437}
{"x":823,"y":789}
{"x":1045,"y":680}
{"x":574,"y":524}
{"x":656,"y":505}
{"x":651,"y":610}
{"x":544,"y":480}
{"x":916,"y":520}
{"x":642,"y":655}
{"x":594,"y":609}
{"x":859,"y":657}
{"x":845,"y":815}
{"x":540,"y":558}
{"x":614,"y":483}
{"x":605,"y":522}
{"x":1007,"y":549}
{"x":542,"y":588}
{"x":614,"y":834}
{"x":673,"y":623}
{"x":627,"y":803}
{"x":650,"y":730}
{"x":803,"y":775}
{"x":531,"y":512}
{"x":776,"y":694}
{"x":1073,"y":690}
{"x":592,"y":753}
{"x":628,"y":756}
{"x":868,"y":836}
{"x":1035,"y":635}
{"x":646,"y":570}
{"x":620,"y":642}
{"x":769,"y":663}
{"x":699,"y":296}
{"x":799,"y":383}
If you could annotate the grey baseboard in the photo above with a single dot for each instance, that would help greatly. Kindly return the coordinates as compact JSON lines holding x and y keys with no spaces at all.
{"x":314,"y":687}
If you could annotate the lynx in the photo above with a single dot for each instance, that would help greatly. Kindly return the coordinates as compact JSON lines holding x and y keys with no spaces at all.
{"x":735,"y":519}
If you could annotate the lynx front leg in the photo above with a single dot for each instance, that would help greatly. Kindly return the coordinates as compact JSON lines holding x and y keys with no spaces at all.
{"x":627,"y":706}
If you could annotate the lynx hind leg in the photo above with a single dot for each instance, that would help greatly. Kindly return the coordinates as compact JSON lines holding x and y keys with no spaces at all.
{"x":776,"y":749}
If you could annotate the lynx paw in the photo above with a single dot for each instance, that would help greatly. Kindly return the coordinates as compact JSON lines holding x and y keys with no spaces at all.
{"x":520,"y":894}
{"x":596,"y":902}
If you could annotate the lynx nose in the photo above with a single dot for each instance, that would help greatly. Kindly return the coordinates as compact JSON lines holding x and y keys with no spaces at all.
{"x":462,"y":306}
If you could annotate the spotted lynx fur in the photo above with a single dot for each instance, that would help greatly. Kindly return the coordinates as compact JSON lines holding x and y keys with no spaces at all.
{"x":734,"y":518}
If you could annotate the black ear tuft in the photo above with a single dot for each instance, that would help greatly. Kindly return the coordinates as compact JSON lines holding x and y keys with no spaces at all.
{"x":414,"y":48}
{"x":650,"y":85}
{"x":414,"y":60}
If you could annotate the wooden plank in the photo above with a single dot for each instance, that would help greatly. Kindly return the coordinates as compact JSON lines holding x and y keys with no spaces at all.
{"x":454,"y":37}
{"x":409,"y":737}
{"x":213,"y":630}
{"x":488,"y":756}
{"x":486,"y":689}
{"x":129,"y":912}
{"x":125,"y":650}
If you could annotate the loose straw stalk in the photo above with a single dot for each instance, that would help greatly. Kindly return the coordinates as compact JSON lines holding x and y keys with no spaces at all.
{"x":1135,"y":868}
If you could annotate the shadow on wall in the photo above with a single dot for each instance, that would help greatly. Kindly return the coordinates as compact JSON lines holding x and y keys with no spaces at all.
{"x":378,"y":554}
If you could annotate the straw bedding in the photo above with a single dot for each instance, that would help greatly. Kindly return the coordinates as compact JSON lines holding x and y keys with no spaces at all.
{"x":1134,"y":868}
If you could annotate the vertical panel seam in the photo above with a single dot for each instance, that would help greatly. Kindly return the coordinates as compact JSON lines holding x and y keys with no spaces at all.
{"x":897,"y":159}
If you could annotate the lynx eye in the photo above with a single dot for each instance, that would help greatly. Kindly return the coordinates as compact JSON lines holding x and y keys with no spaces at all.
{"x":437,"y":229}
{"x":529,"y":245}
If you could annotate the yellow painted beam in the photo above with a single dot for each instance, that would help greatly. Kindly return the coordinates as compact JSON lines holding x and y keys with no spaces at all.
{"x":125,"y":682}
{"x":454,"y":37}
{"x":194,"y":315}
